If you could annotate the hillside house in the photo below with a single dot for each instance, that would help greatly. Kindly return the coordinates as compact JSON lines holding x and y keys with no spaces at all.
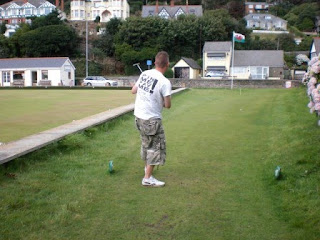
{"x":265,"y":22}
{"x":55,"y":71}
{"x":171,"y":11}
{"x":17,"y":11}
{"x":91,"y":9}
{"x":186,"y":68}
{"x":248,"y":64}
{"x":257,"y":7}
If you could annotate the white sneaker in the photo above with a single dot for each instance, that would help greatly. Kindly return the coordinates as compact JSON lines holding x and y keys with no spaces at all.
{"x":152,"y":182}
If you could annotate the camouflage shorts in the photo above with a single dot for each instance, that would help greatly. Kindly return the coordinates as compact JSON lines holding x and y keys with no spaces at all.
{"x":153,"y":142}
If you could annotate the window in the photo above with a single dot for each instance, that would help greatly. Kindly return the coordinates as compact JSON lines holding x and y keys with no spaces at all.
{"x":259,"y":72}
{"x":47,"y":11}
{"x":267,"y":17}
{"x":18,"y":75}
{"x":250,"y":6}
{"x":6,"y":77}
{"x":179,"y":12}
{"x":239,"y":70}
{"x":69,"y":75}
{"x":216,"y":56}
{"x":216,"y":68}
{"x":44,"y":74}
{"x":164,"y":14}
{"x":255,"y":17}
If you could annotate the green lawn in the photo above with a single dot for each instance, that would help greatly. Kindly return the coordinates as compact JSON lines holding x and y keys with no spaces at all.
{"x":223,"y":148}
{"x":26,"y":112}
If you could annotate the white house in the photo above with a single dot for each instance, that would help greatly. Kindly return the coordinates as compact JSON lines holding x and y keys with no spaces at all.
{"x":17,"y":11}
{"x":91,"y":9}
{"x":247,"y":64}
{"x":171,"y":11}
{"x":54,"y":71}
{"x":265,"y":21}
{"x":217,"y":58}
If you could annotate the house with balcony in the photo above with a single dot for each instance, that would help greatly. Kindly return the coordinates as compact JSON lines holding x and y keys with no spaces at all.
{"x":91,"y":9}
{"x":265,"y":22}
{"x":257,"y":7}
{"x":247,"y":64}
{"x":171,"y":11}
{"x":18,"y":11}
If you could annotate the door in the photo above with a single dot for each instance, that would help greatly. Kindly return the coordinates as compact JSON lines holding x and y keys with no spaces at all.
{"x":181,"y":72}
{"x":6,"y":79}
{"x":34,"y":76}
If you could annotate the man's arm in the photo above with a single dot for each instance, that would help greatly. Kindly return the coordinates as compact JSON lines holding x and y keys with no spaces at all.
{"x":167,"y":102}
{"x":134,"y":89}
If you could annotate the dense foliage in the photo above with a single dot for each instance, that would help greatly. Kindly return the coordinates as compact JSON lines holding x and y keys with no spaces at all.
{"x":139,"y":39}
{"x":301,"y":16}
{"x":47,"y":36}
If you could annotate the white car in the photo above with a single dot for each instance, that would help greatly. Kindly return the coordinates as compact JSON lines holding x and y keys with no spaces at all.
{"x":215,"y":74}
{"x":98,"y":81}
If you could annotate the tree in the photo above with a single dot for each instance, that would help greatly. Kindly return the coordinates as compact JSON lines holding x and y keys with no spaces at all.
{"x":4,"y":47}
{"x":286,"y":42}
{"x":3,"y":28}
{"x":49,"y":41}
{"x":50,"y":19}
{"x":235,"y":9}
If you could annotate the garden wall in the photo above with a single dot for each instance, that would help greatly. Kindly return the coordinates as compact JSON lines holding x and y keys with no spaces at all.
{"x":219,"y":83}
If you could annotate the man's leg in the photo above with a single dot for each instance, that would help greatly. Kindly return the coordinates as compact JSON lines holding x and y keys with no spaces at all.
{"x":149,"y":170}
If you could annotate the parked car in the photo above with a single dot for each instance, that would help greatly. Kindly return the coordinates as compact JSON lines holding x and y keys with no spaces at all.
{"x":215,"y":74}
{"x":99,"y":81}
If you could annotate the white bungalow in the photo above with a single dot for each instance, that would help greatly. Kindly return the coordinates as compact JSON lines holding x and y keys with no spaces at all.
{"x":54,"y":71}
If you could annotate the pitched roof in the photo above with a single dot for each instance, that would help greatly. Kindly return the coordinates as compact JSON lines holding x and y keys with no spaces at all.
{"x":35,"y":3}
{"x":271,"y":58}
{"x":217,"y":46}
{"x":16,"y":63}
{"x":192,"y":63}
{"x":255,"y":3}
{"x":150,"y":10}
{"x":316,"y":42}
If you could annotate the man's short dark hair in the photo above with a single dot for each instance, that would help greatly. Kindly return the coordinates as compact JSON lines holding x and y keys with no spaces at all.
{"x":162,"y":59}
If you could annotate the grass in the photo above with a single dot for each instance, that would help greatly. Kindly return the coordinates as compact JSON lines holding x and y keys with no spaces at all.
{"x":223,"y":148}
{"x":26,"y":112}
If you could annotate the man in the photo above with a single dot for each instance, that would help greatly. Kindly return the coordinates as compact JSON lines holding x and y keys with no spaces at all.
{"x":153,"y":91}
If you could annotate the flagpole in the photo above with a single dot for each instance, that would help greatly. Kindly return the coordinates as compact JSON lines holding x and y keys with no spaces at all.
{"x":232,"y":59}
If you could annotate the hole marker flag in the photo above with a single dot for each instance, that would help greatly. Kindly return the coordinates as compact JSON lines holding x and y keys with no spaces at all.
{"x":237,"y":37}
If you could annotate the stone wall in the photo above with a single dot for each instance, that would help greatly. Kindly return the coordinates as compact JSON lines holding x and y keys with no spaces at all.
{"x":205,"y":83}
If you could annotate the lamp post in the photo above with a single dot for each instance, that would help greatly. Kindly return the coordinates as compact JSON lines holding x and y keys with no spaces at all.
{"x":86,"y":47}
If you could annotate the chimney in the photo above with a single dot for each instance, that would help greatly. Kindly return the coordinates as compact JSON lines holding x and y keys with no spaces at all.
{"x":187,"y":6}
{"x":172,"y":3}
{"x":157,"y":7}
{"x":62,"y":5}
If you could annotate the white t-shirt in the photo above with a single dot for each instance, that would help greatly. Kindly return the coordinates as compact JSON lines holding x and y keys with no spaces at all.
{"x":152,"y":88}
